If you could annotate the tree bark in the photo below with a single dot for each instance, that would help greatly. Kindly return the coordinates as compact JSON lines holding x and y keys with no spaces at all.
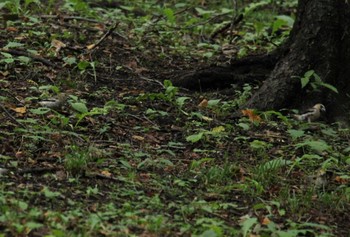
{"x":314,"y":45}
{"x":319,"y":41}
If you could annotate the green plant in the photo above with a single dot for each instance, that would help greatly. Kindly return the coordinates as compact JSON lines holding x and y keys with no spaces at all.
{"x":316,"y":83}
{"x":76,"y":160}
{"x":82,"y":111}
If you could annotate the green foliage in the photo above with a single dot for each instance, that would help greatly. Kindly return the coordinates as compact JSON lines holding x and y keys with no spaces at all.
{"x":316,"y":83}
{"x":143,"y":156}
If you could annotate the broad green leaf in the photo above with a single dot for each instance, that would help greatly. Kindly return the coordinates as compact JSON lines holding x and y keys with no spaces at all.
{"x":218,"y":129}
{"x":208,"y":54}
{"x":309,"y":73}
{"x":295,"y":134}
{"x":195,"y":137}
{"x":24,"y":59}
{"x":244,"y":126}
{"x":317,"y":78}
{"x":257,"y":144}
{"x":318,"y":146}
{"x":50,"y":194}
{"x":13,"y":45}
{"x":33,"y":225}
{"x":169,"y":15}
{"x":213,"y":102}
{"x":248,"y":224}
{"x":6,"y":55}
{"x":209,"y":233}
{"x":126,"y":164}
{"x":277,"y":24}
{"x":203,"y":12}
{"x":22,"y":205}
{"x":82,"y":65}
{"x":304,"y":81}
{"x":287,"y":19}
{"x":181,"y":100}
{"x":332,"y":88}
{"x":70,"y":60}
{"x":40,"y":111}
{"x":80,"y":107}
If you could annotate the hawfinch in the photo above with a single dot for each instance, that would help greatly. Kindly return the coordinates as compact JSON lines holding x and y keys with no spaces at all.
{"x":311,"y":114}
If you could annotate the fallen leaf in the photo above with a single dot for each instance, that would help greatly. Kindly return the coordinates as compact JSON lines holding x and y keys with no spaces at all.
{"x":19,"y":154}
{"x":61,"y":175}
{"x":138,"y":138}
{"x":218,"y":129}
{"x":91,"y":46}
{"x":203,"y":104}
{"x":106,"y":173}
{"x":20,"y":110}
{"x":205,"y":118}
{"x":341,"y":180}
{"x":251,"y":115}
{"x":265,"y":221}
{"x":12,"y":29}
{"x":58,"y":45}
{"x":5,"y":73}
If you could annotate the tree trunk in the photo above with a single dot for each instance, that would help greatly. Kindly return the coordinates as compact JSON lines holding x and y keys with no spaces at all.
{"x":315,"y":44}
{"x":319,"y":41}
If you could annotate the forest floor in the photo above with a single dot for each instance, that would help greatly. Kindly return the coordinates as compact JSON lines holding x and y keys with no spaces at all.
{"x":126,"y":153}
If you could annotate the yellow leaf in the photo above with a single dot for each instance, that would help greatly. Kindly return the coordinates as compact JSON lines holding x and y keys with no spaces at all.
{"x":91,"y":46}
{"x":106,"y":173}
{"x":218,"y":129}
{"x":203,"y":104}
{"x":265,"y":221}
{"x":20,"y":110}
{"x":138,"y":138}
{"x":205,"y":118}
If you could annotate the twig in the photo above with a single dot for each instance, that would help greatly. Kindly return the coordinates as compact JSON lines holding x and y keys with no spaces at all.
{"x":70,"y":18}
{"x":37,"y":170}
{"x":109,"y":32}
{"x":101,"y":176}
{"x":32,"y":56}
{"x":11,"y":117}
{"x":229,"y":25}
{"x":151,"y":80}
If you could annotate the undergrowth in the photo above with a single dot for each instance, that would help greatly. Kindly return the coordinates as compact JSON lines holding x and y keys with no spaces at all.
{"x":120,"y":151}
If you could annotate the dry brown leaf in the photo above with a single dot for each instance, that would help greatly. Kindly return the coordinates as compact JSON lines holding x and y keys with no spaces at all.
{"x":251,"y":115}
{"x":203,"y":103}
{"x":341,"y":180}
{"x":265,"y":221}
{"x":138,"y":138}
{"x":5,"y":73}
{"x":91,"y":46}
{"x":58,"y":45}
{"x":20,"y":110}
{"x":205,"y":118}
{"x":106,"y":173}
{"x":61,"y":175}
{"x":19,"y":154}
{"x":12,"y":29}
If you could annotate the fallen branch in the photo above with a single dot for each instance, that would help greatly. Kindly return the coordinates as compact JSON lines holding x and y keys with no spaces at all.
{"x":109,"y":32}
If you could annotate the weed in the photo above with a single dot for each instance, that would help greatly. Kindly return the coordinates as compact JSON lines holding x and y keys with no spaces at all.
{"x":76,"y":160}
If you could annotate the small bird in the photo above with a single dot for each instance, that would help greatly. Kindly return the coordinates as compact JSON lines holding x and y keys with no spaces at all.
{"x":54,"y":103}
{"x":311,"y":114}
